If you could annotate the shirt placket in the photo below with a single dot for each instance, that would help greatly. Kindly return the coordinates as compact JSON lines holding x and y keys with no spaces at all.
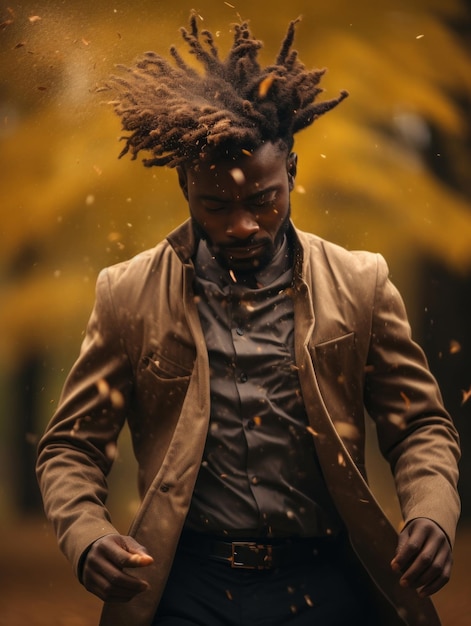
{"x":247,"y":358}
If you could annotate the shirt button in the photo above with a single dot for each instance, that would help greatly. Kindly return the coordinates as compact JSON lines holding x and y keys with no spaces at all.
{"x":243,"y":377}
{"x":254,"y":480}
{"x":240,"y":331}
{"x":251,"y":424}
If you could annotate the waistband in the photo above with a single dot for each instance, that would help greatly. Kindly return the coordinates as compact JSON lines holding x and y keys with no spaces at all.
{"x":257,"y":553}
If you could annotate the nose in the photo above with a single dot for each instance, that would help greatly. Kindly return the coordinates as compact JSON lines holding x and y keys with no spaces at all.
{"x":242,"y":224}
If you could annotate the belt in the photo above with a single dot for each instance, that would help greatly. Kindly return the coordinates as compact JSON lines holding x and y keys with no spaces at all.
{"x":258,"y":554}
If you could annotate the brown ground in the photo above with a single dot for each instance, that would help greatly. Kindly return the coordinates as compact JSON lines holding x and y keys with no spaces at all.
{"x":37,"y":587}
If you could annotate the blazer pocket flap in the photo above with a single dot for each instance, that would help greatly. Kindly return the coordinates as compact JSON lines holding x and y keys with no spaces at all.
{"x":165,"y":368}
{"x":336,"y":356}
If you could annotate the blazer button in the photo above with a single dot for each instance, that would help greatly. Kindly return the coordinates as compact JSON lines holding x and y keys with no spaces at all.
{"x":164,"y":488}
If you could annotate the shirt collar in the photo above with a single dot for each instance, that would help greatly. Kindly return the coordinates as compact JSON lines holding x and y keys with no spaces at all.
{"x":207,"y":267}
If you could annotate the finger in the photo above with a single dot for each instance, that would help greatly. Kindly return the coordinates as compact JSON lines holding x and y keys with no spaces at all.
{"x":429,"y":572}
{"x":408,"y":550}
{"x":114,"y":585}
{"x":413,"y":540}
{"x":137,"y":555}
{"x":139,"y":560}
{"x":122,"y":552}
{"x":104,"y":572}
{"x":437,"y":584}
{"x":420,"y":571}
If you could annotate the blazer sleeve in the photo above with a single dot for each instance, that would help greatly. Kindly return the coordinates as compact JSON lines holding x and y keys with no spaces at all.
{"x":76,"y":452}
{"x":415,"y":432}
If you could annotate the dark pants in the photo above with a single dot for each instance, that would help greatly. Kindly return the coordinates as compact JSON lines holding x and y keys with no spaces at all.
{"x":320,"y":592}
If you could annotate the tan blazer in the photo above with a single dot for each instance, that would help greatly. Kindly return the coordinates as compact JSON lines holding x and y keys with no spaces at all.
{"x":144,"y":360}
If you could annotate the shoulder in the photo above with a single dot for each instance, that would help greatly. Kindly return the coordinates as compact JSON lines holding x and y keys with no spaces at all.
{"x":352,"y":265}
{"x":136,"y":273}
{"x":140,"y":265}
{"x":131,"y":286}
{"x":165,"y":261}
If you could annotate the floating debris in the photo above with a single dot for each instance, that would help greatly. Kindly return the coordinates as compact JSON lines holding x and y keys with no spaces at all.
{"x":103,"y":388}
{"x":341,"y":460}
{"x":466,"y":395}
{"x":111,"y":451}
{"x":238,"y":175}
{"x":5,"y":24}
{"x":455,"y":346}
{"x":347,"y":430}
{"x":117,"y":398}
{"x":406,"y":399}
{"x":265,"y":85}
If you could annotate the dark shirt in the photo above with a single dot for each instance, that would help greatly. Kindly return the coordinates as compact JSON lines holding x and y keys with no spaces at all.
{"x":259,"y":475}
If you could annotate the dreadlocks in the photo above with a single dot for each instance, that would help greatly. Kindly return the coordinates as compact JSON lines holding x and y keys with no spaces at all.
{"x":178,"y":115}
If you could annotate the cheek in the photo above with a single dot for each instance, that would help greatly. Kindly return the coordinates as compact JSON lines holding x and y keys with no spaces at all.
{"x":213,"y":227}
{"x":273,"y":221}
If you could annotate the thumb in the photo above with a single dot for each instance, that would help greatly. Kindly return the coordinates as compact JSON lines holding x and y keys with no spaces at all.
{"x":138,"y":555}
{"x":401,"y":542}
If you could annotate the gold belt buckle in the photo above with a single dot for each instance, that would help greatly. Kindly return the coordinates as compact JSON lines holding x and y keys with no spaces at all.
{"x":262,"y":555}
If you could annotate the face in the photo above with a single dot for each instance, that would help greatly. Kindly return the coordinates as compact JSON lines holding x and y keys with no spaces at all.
{"x":242,"y":206}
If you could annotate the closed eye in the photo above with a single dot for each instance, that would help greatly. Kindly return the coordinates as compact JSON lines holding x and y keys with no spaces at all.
{"x":214,"y":207}
{"x":218,"y":209}
{"x":265,"y":201}
{"x":262,"y":200}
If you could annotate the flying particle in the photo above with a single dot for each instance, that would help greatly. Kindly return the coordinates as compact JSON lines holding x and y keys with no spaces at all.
{"x":455,"y":347}
{"x":265,"y":85}
{"x":238,"y":175}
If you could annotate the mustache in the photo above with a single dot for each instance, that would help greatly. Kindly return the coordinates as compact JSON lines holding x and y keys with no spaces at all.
{"x":200,"y":233}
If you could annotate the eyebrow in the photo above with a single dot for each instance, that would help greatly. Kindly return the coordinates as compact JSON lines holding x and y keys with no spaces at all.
{"x":253,"y":196}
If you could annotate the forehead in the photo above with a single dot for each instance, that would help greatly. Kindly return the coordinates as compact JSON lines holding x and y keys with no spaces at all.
{"x":251,"y":171}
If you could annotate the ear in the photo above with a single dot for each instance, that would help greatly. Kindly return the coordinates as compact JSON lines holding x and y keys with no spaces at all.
{"x":292,"y":168}
{"x":182,"y":180}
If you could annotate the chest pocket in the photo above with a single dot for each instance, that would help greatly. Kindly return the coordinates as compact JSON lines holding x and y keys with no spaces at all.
{"x":165,"y":368}
{"x":341,"y":374}
{"x":161,"y":386}
{"x":334,"y":358}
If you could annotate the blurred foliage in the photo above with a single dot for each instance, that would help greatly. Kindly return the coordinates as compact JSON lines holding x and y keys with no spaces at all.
{"x":388,"y":170}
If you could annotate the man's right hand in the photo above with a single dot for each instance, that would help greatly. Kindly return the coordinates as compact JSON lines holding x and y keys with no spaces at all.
{"x":103,"y":569}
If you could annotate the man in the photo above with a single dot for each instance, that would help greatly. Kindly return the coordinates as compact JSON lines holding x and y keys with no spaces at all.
{"x":243,"y":353}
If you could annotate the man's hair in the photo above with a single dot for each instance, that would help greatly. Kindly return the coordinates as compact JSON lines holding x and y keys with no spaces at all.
{"x":180,"y":115}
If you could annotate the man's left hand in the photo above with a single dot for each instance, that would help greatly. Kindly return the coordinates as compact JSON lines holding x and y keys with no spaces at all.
{"x":423,"y":557}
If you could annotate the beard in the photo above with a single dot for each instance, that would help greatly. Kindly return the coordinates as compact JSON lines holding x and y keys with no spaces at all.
{"x":242,"y":265}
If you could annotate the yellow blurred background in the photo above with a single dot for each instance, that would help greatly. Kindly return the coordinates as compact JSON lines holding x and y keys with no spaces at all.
{"x":389,"y":170}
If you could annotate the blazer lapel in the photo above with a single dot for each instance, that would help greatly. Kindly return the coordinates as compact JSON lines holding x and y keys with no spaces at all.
{"x":372,"y":536}
{"x":162,"y":513}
